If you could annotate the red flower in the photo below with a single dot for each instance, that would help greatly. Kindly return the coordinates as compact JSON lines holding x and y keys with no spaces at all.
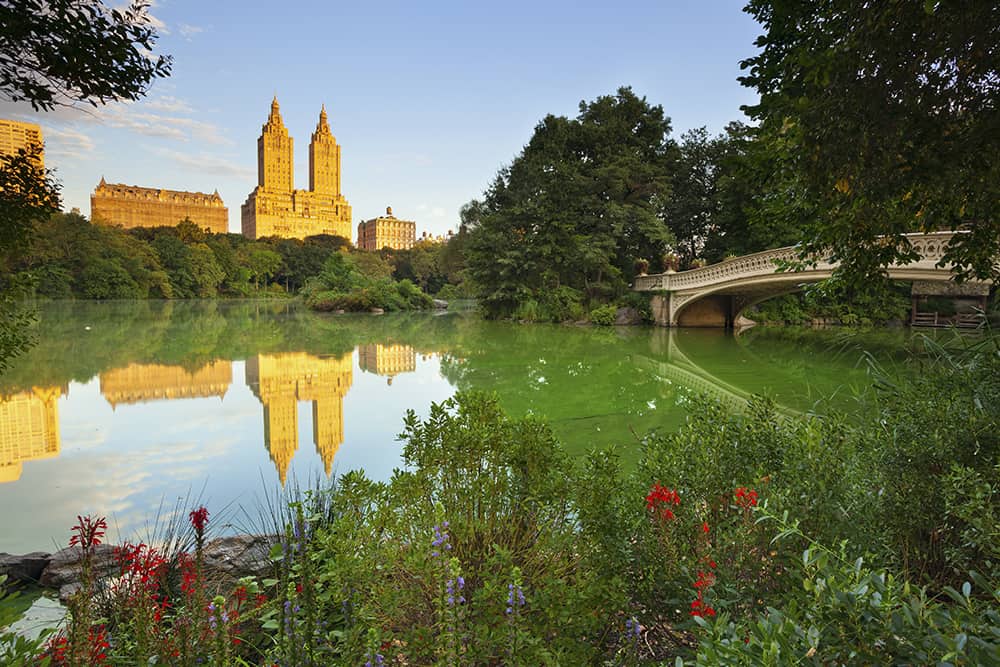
{"x":199,"y":519}
{"x":704,"y":526}
{"x":88,"y":532}
{"x":745,"y":498}
{"x":660,"y":498}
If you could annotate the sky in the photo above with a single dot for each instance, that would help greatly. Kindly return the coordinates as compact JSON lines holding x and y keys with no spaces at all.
{"x":427,"y":99}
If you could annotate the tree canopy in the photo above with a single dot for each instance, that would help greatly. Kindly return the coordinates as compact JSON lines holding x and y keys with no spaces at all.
{"x":63,"y":51}
{"x":886,"y":117}
{"x":569,"y":216}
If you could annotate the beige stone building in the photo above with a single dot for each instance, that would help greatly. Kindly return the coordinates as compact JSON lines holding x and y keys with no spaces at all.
{"x":131,"y":206}
{"x":390,"y":360}
{"x":275,"y":207}
{"x":29,"y":429}
{"x":280,"y":381}
{"x":15,"y":135}
{"x":141,"y":383}
{"x":387,"y":231}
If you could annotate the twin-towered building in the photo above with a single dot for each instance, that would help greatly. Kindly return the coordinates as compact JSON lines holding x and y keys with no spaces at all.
{"x":276,"y":207}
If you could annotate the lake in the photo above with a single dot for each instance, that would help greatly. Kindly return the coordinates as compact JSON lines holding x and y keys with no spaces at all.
{"x":124,"y":408}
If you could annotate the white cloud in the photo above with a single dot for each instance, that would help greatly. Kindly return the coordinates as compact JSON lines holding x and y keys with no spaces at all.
{"x":187,"y":31}
{"x":67,"y":143}
{"x":163,"y":116}
{"x":126,"y":116}
{"x":208,"y":163}
{"x":168,"y":104}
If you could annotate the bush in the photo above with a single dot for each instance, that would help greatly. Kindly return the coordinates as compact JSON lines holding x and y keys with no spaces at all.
{"x":604,"y":315}
{"x":842,"y":612}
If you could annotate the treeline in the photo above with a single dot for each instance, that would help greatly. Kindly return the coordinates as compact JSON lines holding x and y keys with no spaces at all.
{"x":71,"y":258}
{"x":593,"y":200}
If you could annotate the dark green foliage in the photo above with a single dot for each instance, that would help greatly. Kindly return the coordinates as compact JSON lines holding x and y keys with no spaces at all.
{"x":27,"y":195}
{"x":73,"y":258}
{"x":576,"y":208}
{"x":833,"y":302}
{"x":845,"y":612}
{"x":61,"y":51}
{"x":483,"y":497}
{"x":883,"y":118}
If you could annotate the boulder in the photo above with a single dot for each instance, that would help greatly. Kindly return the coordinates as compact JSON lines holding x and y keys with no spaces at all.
{"x":627,"y":317}
{"x":64,"y":566}
{"x":376,"y":311}
{"x":227,"y":559}
{"x":26,"y":568}
{"x":440,"y":304}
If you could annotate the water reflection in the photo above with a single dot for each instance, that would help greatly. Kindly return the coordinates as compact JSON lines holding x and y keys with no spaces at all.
{"x":280,"y":381}
{"x":141,"y":383}
{"x":29,"y":429}
{"x":388,"y":360}
{"x":170,"y":398}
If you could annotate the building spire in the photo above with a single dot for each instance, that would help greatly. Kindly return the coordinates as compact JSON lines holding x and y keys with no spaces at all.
{"x":275,"y":117}
{"x":323,"y":126}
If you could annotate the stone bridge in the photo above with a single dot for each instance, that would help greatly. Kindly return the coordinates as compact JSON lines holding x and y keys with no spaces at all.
{"x":716,"y":295}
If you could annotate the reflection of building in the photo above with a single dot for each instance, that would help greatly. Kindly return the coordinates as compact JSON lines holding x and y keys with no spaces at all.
{"x":386,"y":231}
{"x":139,"y":383}
{"x":388,"y":360}
{"x":131,"y":206}
{"x":29,"y":429}
{"x":280,"y":381}
{"x":275,"y":207}
{"x":15,"y":135}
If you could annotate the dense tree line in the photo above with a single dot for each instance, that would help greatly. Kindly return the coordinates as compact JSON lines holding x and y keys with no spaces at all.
{"x":72,"y":258}
{"x":873,"y":122}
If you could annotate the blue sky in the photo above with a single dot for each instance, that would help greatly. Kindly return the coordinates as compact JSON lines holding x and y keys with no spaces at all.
{"x":427,"y":99}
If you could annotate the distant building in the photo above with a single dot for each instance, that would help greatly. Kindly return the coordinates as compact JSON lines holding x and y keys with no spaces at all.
{"x":387,"y":231}
{"x":427,"y":237}
{"x":131,"y":206}
{"x":275,"y":207}
{"x":140,"y":383}
{"x":29,"y":429}
{"x":15,"y":135}
{"x":388,"y":360}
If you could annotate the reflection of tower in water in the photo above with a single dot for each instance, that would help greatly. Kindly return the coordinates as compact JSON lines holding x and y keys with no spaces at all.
{"x":280,"y":381}
{"x":388,"y":360}
{"x":29,"y":429}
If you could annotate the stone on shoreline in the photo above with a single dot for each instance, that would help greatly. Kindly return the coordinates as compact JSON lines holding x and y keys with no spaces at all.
{"x":25,"y":568}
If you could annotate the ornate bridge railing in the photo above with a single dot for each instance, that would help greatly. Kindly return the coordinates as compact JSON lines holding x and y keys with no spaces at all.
{"x":930,"y":247}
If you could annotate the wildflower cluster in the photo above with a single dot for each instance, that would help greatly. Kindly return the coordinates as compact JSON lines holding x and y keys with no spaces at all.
{"x":660,"y":499}
{"x":59,"y":651}
{"x":88,"y":532}
{"x":745,"y":498}
{"x":698,"y":606}
{"x":441,"y":541}
{"x":453,"y":590}
{"x":515,"y":598}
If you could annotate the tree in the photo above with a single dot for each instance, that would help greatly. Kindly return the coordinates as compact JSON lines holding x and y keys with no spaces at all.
{"x":57,"y":52}
{"x":887,"y":115}
{"x":63,"y":51}
{"x":575,"y":208}
{"x":28,"y":195}
{"x":691,"y":209}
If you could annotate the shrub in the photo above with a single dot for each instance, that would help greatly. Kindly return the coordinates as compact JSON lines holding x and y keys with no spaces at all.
{"x":604,"y":315}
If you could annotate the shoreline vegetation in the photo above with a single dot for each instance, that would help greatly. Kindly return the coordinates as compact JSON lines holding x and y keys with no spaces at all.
{"x":739,"y":539}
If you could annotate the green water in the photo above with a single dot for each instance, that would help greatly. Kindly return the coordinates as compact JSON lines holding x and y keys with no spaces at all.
{"x":122,"y":408}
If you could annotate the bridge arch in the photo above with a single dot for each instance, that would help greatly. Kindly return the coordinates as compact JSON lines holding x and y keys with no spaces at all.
{"x":714,"y":296}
